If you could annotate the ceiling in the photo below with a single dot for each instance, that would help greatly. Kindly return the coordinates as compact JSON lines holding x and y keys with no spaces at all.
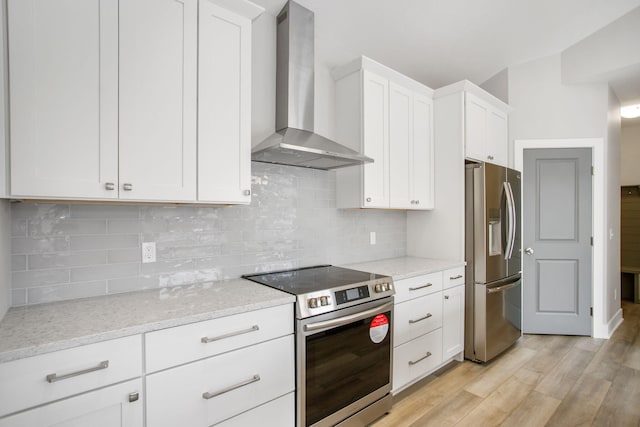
{"x":438,"y":42}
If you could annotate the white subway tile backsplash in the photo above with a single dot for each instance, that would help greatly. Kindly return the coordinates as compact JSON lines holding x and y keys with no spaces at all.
{"x":27,"y":279}
{"x":64,"y":251}
{"x":80,"y":243}
{"x":66,"y":259}
{"x":64,"y":292}
{"x":18,"y":262}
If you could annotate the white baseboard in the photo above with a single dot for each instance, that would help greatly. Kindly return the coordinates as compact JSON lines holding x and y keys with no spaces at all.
{"x":615,"y":321}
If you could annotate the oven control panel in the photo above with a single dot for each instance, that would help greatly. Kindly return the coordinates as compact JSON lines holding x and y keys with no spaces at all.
{"x":320,"y":302}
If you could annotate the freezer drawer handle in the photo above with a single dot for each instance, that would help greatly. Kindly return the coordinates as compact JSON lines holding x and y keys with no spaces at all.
{"x":459,"y":276}
{"x":208,"y":395}
{"x":207,"y":340}
{"x":502,"y":288}
{"x":413,"y":362}
{"x":52,"y":378}
{"x":421,"y":287}
{"x":421,"y":319}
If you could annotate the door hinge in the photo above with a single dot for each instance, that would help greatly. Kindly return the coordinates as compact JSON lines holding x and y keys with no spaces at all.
{"x":591,"y":311}
{"x":591,"y":240}
{"x":592,"y":171}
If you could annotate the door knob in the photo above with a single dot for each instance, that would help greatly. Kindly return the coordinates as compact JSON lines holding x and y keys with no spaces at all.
{"x":529,"y":251}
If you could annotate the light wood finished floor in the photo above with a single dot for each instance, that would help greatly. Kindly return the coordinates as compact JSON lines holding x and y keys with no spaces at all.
{"x":544,"y":380}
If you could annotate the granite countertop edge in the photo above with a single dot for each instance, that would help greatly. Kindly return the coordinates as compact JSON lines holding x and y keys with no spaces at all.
{"x":140,"y":325}
{"x":406,"y":267}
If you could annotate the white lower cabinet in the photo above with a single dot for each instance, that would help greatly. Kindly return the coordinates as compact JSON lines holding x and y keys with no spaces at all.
{"x":116,"y":406}
{"x":428,"y":325}
{"x":277,"y":413}
{"x":209,"y":391}
{"x":452,"y":322}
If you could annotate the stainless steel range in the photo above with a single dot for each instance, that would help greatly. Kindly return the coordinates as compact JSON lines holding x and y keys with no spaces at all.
{"x":344,"y":342}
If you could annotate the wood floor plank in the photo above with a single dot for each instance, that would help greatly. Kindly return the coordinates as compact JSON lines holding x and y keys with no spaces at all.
{"x":559,"y":380}
{"x":449,"y":412}
{"x":621,"y":407}
{"x":499,"y":404}
{"x":582,"y":403}
{"x":535,"y":411}
{"x":608,"y":360}
{"x":552,"y":350}
{"x":499,"y":371}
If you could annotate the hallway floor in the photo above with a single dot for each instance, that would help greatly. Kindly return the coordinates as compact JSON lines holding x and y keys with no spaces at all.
{"x":544,"y":380}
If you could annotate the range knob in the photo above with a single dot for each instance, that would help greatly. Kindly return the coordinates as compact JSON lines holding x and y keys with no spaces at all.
{"x":378,"y":288}
{"x":324,"y":300}
{"x":313,"y":302}
{"x":385,"y":287}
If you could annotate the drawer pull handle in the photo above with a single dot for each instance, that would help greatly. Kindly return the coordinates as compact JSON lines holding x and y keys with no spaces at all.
{"x":421,"y":287}
{"x":459,"y":276}
{"x":206,"y":340}
{"x":421,"y":319}
{"x":52,"y":378}
{"x":208,"y":395}
{"x":413,"y":362}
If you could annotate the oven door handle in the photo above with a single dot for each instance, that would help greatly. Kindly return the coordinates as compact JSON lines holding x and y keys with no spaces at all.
{"x":341,"y":321}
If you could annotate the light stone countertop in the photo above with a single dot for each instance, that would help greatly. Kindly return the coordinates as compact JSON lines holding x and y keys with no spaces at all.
{"x":405,"y":267}
{"x":38,"y":329}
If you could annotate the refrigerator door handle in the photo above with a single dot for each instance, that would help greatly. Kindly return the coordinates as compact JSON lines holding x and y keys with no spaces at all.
{"x":511,"y":220}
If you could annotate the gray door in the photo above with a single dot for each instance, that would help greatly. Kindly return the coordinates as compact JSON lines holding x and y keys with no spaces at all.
{"x":557,"y":230}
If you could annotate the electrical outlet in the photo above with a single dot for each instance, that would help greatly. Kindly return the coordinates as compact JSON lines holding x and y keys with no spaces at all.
{"x":148,"y":252}
{"x":372,"y":238}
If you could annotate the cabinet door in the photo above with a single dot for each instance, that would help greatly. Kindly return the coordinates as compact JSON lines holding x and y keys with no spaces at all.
{"x":158,"y":83}
{"x":400,"y":146}
{"x":475,"y":128}
{"x":452,"y":322}
{"x":224,"y":105}
{"x":63,"y":57}
{"x":375,"y":128}
{"x":421,"y":154}
{"x":497,"y":139}
{"x":113,"y":406}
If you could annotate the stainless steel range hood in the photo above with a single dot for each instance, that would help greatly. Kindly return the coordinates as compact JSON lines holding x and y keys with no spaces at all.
{"x":294,"y":142}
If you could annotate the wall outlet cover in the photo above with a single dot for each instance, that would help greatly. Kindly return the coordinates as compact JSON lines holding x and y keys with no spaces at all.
{"x":148,"y":252}
{"x":372,"y":238}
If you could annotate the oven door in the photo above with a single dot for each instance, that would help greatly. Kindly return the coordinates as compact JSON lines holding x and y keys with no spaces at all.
{"x":344,"y":362}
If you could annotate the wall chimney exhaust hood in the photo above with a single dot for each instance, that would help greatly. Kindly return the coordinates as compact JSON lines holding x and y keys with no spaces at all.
{"x":295,"y":143}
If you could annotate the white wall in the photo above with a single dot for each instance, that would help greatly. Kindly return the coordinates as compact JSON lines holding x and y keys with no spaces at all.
{"x":545,"y":108}
{"x":5,"y":256}
{"x":498,"y":85}
{"x":630,"y":154}
{"x":612,"y":215}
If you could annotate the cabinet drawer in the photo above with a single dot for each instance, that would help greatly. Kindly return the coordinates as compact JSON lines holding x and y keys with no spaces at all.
{"x":410,"y":360}
{"x":105,"y":407}
{"x":418,"y":286}
{"x":417,"y":317}
{"x":182,"y":344}
{"x":453,"y":277}
{"x":36,"y":380}
{"x":277,"y":413}
{"x":236,"y":382}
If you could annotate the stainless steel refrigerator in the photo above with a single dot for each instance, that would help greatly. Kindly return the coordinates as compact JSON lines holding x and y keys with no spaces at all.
{"x":492,"y":251}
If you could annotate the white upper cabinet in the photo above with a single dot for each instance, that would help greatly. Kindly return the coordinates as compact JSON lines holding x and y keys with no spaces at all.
{"x":375,"y":139}
{"x":63,"y":57}
{"x":137,"y":100}
{"x":486,"y":131}
{"x":158,"y":94}
{"x":224,"y":104}
{"x":388,"y":117}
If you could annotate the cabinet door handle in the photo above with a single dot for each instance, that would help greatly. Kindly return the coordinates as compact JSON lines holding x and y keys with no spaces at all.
{"x":369,"y":199}
{"x":490,"y":157}
{"x":417,"y":202}
{"x":127,"y":187}
{"x":421,"y":319}
{"x":247,"y":192}
{"x":209,"y":395}
{"x":459,"y":276}
{"x":413,"y":362}
{"x":52,"y":378}
{"x":421,"y":287}
{"x":109,"y":186}
{"x":206,"y":340}
{"x":446,"y":297}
